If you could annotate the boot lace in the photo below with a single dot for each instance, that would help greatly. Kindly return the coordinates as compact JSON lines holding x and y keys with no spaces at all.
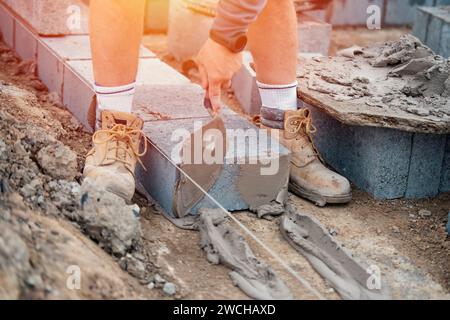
{"x":301,"y":123}
{"x":122,"y":138}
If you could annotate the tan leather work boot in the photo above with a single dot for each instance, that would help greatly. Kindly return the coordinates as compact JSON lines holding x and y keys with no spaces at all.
{"x":112,"y":161}
{"x":309,"y":177}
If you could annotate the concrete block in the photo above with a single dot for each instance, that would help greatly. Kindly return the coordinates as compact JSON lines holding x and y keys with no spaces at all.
{"x":50,"y":68}
{"x":432,"y":26}
{"x":403,"y":12}
{"x":50,"y":18}
{"x":161,"y":178}
{"x":79,"y":97}
{"x":166,"y":95}
{"x":25,"y":42}
{"x":157,"y":15}
{"x":387,"y":163}
{"x":245,"y":88}
{"x":314,"y":36}
{"x":77,"y":47}
{"x":420,"y":29}
{"x":7,"y":26}
{"x":376,"y":160}
{"x":169,"y":102}
{"x":434,"y":34}
{"x":425,"y":167}
{"x":445,"y":175}
{"x":445,"y":43}
{"x":150,"y":72}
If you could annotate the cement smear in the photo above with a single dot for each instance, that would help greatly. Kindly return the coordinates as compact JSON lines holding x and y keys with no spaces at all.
{"x":329,"y":259}
{"x":223,"y":244}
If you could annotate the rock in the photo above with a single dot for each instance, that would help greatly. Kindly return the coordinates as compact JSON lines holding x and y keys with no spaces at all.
{"x":334,"y":232}
{"x":106,"y":218}
{"x":396,"y":230}
{"x":169,"y":289}
{"x":158,"y":279}
{"x":151,"y":285}
{"x":134,"y":267}
{"x":58,"y":161}
{"x":14,"y":263}
{"x":424,"y":213}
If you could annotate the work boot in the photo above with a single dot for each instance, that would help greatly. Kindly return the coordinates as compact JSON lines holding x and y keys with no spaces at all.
{"x":309,"y":177}
{"x":112,"y":161}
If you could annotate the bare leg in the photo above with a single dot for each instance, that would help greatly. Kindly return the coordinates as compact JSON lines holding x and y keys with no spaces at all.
{"x":273,"y":43}
{"x":116,"y":28}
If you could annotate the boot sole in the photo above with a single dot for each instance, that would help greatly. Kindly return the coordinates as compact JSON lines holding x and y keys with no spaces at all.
{"x":318,"y":199}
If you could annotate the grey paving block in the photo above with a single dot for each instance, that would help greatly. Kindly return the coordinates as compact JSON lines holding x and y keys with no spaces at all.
{"x":7,"y":26}
{"x":387,"y":163}
{"x":445,"y":43}
{"x":168,"y":102}
{"x":25,"y":42}
{"x":445,"y":176}
{"x":161,"y":177}
{"x":77,"y":47}
{"x":374,"y":159}
{"x":49,"y":17}
{"x":427,"y":156}
{"x":50,"y":68}
{"x":79,"y":97}
{"x":420,"y":29}
{"x":150,"y":72}
{"x":403,"y":12}
{"x":314,"y":36}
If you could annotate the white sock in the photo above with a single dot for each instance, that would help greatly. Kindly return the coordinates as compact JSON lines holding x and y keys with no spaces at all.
{"x":282,"y":97}
{"x":114,"y":98}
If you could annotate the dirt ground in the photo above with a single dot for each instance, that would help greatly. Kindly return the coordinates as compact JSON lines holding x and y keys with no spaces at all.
{"x":410,"y":246}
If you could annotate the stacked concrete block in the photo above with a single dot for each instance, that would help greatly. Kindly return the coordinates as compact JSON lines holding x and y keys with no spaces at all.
{"x":432,"y":27}
{"x":7,"y":26}
{"x":167,"y":101}
{"x":387,"y":163}
{"x":51,"y":18}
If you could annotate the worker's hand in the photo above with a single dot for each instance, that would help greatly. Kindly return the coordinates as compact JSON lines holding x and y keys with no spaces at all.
{"x":217,"y":65}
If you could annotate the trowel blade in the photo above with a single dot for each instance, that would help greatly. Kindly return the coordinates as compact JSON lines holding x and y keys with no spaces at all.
{"x":187,"y":194}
